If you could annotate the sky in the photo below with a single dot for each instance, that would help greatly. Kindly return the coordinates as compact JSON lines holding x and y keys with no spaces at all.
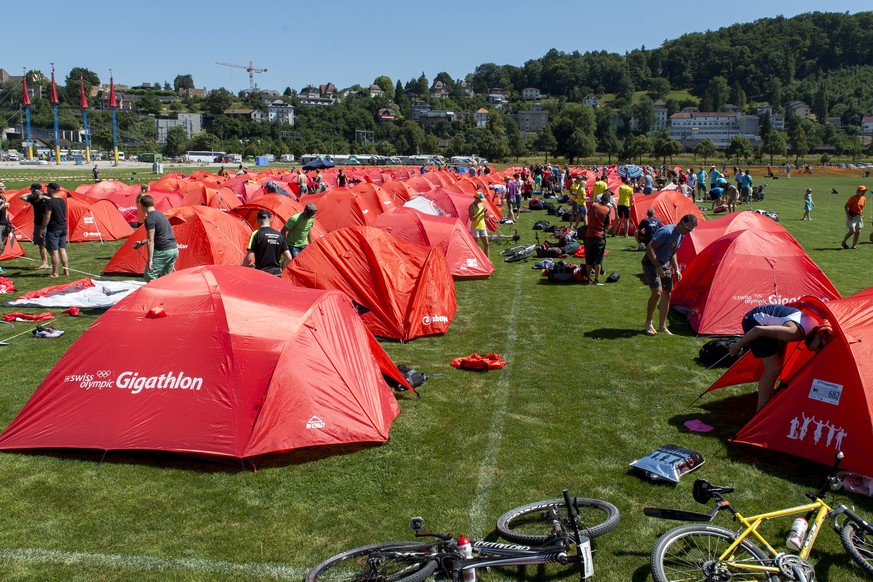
{"x":349,"y":42}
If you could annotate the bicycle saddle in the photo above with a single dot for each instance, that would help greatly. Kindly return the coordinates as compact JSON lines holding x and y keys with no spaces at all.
{"x":704,"y":490}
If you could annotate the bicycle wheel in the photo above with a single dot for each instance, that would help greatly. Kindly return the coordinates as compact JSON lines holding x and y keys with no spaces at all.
{"x":859,"y":545}
{"x":383,"y":562}
{"x":690,"y":552}
{"x":530,"y":525}
{"x":519,"y":256}
{"x":511,"y":251}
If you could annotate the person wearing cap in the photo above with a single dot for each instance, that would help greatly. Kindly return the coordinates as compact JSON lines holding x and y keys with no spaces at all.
{"x":267,"y":248}
{"x":647,"y":229}
{"x":579,"y":203}
{"x":625,"y":203}
{"x":808,"y":204}
{"x":767,"y":331}
{"x":37,"y":199}
{"x":298,"y":229}
{"x":478,"y":229}
{"x":746,"y":185}
{"x":855,"y":216}
{"x":162,"y":249}
{"x":54,"y":229}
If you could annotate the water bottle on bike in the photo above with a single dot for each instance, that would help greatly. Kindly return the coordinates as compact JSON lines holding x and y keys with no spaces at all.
{"x":796,"y":534}
{"x":466,"y":550}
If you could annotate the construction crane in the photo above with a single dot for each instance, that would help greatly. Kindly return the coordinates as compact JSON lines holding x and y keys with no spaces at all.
{"x":251,"y":69}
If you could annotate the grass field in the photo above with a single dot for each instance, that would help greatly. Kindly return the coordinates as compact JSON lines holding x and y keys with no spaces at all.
{"x":585,"y":393}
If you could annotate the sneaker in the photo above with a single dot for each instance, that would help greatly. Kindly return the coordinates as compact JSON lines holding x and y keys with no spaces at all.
{"x":845,"y":246}
{"x":598,"y":283}
{"x":2,"y":270}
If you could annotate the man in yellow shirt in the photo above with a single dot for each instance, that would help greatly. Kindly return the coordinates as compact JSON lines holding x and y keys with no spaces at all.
{"x":600,"y":186}
{"x":579,"y":199}
{"x":477,"y":221}
{"x":625,"y":201}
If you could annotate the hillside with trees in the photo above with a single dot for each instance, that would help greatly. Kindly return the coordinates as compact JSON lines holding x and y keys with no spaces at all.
{"x":823,"y":59}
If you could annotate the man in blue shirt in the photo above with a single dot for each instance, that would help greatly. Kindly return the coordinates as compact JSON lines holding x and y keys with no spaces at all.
{"x":646,"y":229}
{"x":659,"y":266}
{"x":746,"y":186}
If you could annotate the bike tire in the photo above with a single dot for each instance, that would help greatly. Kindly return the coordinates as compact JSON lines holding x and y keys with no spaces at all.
{"x":354,"y":565}
{"x":519,"y":256}
{"x":687,"y":551}
{"x":524,"y":524}
{"x":511,"y":251}
{"x":859,"y":545}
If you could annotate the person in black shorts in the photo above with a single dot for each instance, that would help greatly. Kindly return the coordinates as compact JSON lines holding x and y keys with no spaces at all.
{"x":37,"y":199}
{"x":768,"y":330}
{"x":267,"y":248}
{"x":54,"y":229}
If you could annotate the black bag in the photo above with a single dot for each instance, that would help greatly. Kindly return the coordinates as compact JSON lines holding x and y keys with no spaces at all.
{"x":549,"y":208}
{"x":535,"y":204}
{"x":541,"y":225}
{"x":717,"y":353}
{"x":414,"y":377}
{"x":562,"y":272}
{"x":613,"y":277}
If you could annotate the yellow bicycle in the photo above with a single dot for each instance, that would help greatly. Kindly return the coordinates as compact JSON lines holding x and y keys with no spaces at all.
{"x":717,"y":554}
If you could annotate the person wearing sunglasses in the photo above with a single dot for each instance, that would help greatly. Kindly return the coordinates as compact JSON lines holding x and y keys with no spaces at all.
{"x":660,"y":266}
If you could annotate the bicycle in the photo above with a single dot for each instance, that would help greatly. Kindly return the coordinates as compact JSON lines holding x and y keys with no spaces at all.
{"x":520,"y":252}
{"x":549,"y":528}
{"x":719,"y":554}
{"x":499,"y":237}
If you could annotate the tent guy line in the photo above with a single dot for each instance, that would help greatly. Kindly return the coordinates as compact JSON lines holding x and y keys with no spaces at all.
{"x":488,"y":466}
{"x":151,"y":564}
{"x":72,"y":270}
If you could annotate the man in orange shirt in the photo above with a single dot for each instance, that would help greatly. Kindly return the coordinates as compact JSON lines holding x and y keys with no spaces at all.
{"x":854,"y":216}
{"x":595,"y":237}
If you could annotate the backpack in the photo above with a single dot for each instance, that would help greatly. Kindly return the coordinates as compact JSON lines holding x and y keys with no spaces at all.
{"x":561,"y":272}
{"x":535,"y":204}
{"x":717,"y":353}
{"x":613,"y":277}
{"x":541,"y":225}
{"x":549,"y":208}
{"x":414,"y":377}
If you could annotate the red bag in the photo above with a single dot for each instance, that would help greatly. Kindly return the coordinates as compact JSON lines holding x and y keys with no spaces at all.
{"x":481,"y":363}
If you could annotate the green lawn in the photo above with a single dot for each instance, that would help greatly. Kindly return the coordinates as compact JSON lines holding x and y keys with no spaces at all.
{"x":584,"y":394}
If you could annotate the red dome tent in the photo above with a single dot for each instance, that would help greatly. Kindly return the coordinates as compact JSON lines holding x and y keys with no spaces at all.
{"x":741,"y":270}
{"x":342,"y":207}
{"x":281,"y":208}
{"x":463,"y":255}
{"x":97,"y":220}
{"x":235,"y":364}
{"x":670,"y":206}
{"x":406,"y":289}
{"x":457,"y":205}
{"x":711,"y":230}
{"x":206,"y":236}
{"x":124,"y":198}
{"x":380,"y":198}
{"x":825,"y":403}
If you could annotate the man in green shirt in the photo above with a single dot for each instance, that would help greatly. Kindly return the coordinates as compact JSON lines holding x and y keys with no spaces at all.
{"x":297,"y":229}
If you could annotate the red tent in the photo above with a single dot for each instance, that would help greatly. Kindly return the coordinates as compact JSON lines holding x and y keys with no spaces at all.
{"x":124,"y":198}
{"x":380,"y":198}
{"x":342,"y":207}
{"x":281,"y":208}
{"x":206,"y":236}
{"x":217,"y":360}
{"x":463,"y":254}
{"x":711,"y":230}
{"x":457,"y":205}
{"x":670,"y":206}
{"x":406,"y":289}
{"x":825,"y":402}
{"x":87,"y":221}
{"x":744,"y":269}
{"x":13,"y":250}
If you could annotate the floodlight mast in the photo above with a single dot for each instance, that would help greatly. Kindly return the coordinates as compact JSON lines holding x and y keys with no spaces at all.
{"x":251,"y":70}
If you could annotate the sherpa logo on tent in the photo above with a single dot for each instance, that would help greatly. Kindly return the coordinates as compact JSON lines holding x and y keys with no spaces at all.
{"x":429,"y":319}
{"x":315,"y":422}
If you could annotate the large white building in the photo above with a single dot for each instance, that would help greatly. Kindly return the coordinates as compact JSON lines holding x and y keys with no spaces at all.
{"x":691,"y":128}
{"x":192,"y":122}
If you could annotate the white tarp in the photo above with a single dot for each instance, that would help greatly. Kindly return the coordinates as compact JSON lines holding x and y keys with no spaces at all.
{"x":103,"y":295}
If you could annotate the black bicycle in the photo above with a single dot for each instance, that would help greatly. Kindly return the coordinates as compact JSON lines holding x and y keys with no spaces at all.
{"x":553,"y":531}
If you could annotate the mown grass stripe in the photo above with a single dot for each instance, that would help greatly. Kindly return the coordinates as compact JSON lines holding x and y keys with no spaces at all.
{"x":150,"y":563}
{"x":489,"y":463}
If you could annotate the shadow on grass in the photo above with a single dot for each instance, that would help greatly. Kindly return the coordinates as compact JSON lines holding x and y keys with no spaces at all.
{"x":613,"y":333}
{"x":201,"y":463}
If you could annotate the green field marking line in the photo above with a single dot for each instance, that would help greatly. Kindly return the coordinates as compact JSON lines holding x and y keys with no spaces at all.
{"x":151,"y":564}
{"x":488,"y":465}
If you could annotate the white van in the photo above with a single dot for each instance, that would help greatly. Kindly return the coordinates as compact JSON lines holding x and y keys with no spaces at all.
{"x":121,"y":156}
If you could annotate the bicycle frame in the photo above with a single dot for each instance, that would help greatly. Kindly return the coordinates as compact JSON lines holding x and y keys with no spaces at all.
{"x":752,"y":523}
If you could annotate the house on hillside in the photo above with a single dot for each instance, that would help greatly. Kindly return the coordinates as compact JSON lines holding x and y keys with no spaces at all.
{"x":255,"y":115}
{"x":466,"y":88}
{"x":192,"y":122}
{"x":376,"y":90}
{"x":419,"y":109}
{"x":183,"y":93}
{"x":439,"y":90}
{"x":531,"y":93}
{"x":660,"y":115}
{"x":798,"y":109}
{"x":867,"y":125}
{"x":386,"y":116}
{"x":497,"y":96}
{"x":312,"y":96}
{"x":591,"y":100}
{"x":481,"y":117}
{"x":532,"y":120}
{"x":280,"y":112}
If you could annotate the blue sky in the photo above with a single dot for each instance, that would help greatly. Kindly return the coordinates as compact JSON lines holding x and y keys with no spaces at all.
{"x":348,"y":42}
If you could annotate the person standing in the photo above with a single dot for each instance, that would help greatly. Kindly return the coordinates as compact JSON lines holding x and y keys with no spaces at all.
{"x":161,"y":248}
{"x":807,"y":204}
{"x":579,"y":201}
{"x":701,"y":182}
{"x":625,"y":202}
{"x":54,"y":229}
{"x":298,"y":229}
{"x":595,"y":237}
{"x":659,"y":267}
{"x":37,"y":199}
{"x":513,"y":197}
{"x":302,"y":183}
{"x":341,"y":179}
{"x":267,"y":248}
{"x":714,"y":177}
{"x":5,"y":223}
{"x":767,"y":331}
{"x":95,"y":171}
{"x":478,"y":229}
{"x":855,"y":216}
{"x":746,"y":185}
